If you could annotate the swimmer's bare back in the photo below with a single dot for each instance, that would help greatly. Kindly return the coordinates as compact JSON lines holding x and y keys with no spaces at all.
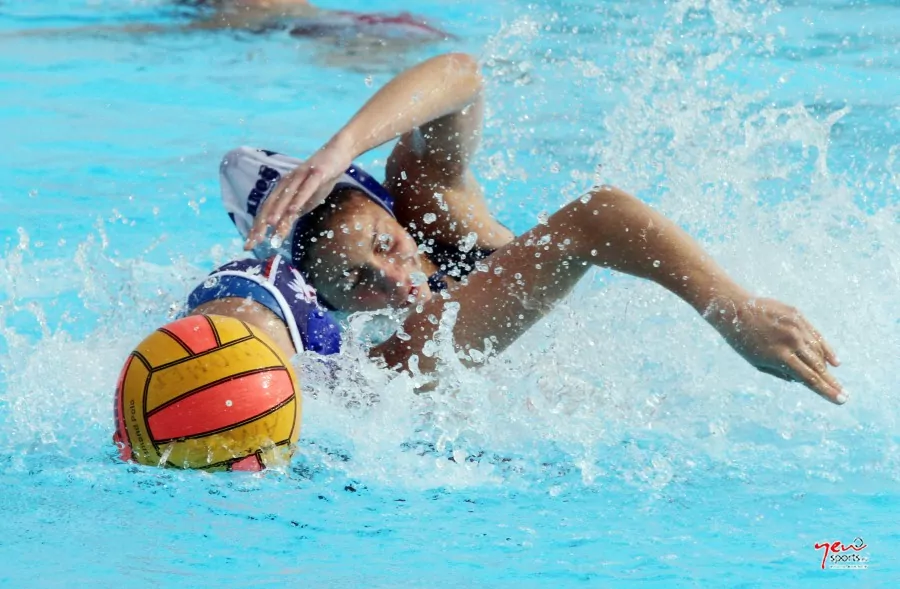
{"x":253,"y":14}
{"x":253,"y":313}
{"x":297,"y":17}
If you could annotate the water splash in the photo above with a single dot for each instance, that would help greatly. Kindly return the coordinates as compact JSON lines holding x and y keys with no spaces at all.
{"x":622,"y":382}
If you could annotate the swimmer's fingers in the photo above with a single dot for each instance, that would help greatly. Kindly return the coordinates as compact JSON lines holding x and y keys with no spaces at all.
{"x":257,"y":233}
{"x":287,"y":194}
{"x":302,"y":199}
{"x":260,"y":223}
{"x":802,"y":364}
{"x":827,"y":350}
{"x":272,"y":211}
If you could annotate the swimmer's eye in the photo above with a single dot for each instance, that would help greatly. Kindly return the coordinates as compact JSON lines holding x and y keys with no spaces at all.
{"x":357,"y":277}
{"x":354,"y":278}
{"x":384,"y":242}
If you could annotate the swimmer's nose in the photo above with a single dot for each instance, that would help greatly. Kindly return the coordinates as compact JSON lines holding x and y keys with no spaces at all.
{"x":396,"y":273}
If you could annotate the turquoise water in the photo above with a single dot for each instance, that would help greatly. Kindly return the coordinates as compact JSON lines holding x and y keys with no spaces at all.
{"x":620,"y":443}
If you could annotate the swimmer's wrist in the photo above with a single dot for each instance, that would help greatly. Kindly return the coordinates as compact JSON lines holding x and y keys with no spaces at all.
{"x":721,"y":306}
{"x":701,"y":285}
{"x":345,"y":142}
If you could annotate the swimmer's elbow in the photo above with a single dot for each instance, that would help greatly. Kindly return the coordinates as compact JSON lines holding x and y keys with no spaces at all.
{"x":461,"y":60}
{"x":464,"y":64}
{"x":606,"y":195}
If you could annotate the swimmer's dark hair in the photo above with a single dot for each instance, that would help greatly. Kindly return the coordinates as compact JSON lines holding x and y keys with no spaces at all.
{"x":316,"y":224}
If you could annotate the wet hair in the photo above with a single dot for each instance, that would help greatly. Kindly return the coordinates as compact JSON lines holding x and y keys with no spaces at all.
{"x":316,"y":225}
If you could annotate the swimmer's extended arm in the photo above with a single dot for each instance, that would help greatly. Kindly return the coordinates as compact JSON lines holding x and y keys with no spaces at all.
{"x":616,"y":230}
{"x":439,"y":89}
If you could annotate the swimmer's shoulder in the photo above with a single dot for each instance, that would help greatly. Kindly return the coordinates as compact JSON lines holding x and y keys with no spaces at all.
{"x":252,"y":312}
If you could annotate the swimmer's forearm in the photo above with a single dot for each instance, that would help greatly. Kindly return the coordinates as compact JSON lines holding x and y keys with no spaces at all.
{"x":430,"y":90}
{"x":627,"y":235}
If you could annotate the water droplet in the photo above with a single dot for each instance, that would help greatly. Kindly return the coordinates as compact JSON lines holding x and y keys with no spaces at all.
{"x":228,"y":403}
{"x":593,"y":252}
{"x":468,"y":242}
{"x":656,"y":263}
{"x":368,"y":81}
{"x":429,"y":218}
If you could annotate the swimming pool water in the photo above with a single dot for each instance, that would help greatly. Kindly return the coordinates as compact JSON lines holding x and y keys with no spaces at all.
{"x":620,"y":443}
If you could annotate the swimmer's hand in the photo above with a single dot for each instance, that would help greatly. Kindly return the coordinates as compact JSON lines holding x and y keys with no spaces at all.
{"x":778,"y":340}
{"x":303,"y":189}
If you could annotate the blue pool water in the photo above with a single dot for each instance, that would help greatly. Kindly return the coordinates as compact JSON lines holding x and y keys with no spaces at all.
{"x":619,"y":443}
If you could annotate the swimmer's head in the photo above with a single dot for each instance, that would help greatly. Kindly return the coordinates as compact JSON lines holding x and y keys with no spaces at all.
{"x":358,"y":257}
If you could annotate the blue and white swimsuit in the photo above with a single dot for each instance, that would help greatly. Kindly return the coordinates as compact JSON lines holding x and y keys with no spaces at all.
{"x":276,"y":285}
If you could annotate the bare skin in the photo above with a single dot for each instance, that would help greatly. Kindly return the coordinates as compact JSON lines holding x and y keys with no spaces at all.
{"x":346,"y":38}
{"x":253,"y":313}
{"x":614,"y":229}
{"x":249,"y":14}
{"x":427,"y":173}
{"x":436,"y":112}
{"x":371,"y":262}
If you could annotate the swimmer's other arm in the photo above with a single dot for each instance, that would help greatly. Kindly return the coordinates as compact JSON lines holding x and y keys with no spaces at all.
{"x":436,"y":193}
{"x":428,"y":91}
{"x":616,"y":230}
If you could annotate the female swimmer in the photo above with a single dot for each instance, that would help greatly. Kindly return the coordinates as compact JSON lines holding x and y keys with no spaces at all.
{"x":363,"y":246}
{"x":302,"y":19}
{"x":299,"y":17}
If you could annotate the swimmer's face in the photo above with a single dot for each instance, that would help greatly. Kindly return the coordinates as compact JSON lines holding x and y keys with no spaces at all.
{"x":368,"y":262}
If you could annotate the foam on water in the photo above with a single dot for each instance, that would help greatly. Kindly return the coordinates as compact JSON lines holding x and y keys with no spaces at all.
{"x":621,"y":362}
{"x":623,"y":387}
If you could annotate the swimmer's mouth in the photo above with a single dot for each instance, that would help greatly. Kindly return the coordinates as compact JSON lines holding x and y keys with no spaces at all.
{"x":413,"y":294}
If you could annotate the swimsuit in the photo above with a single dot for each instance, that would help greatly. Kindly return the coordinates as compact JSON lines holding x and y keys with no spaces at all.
{"x":276,"y":285}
